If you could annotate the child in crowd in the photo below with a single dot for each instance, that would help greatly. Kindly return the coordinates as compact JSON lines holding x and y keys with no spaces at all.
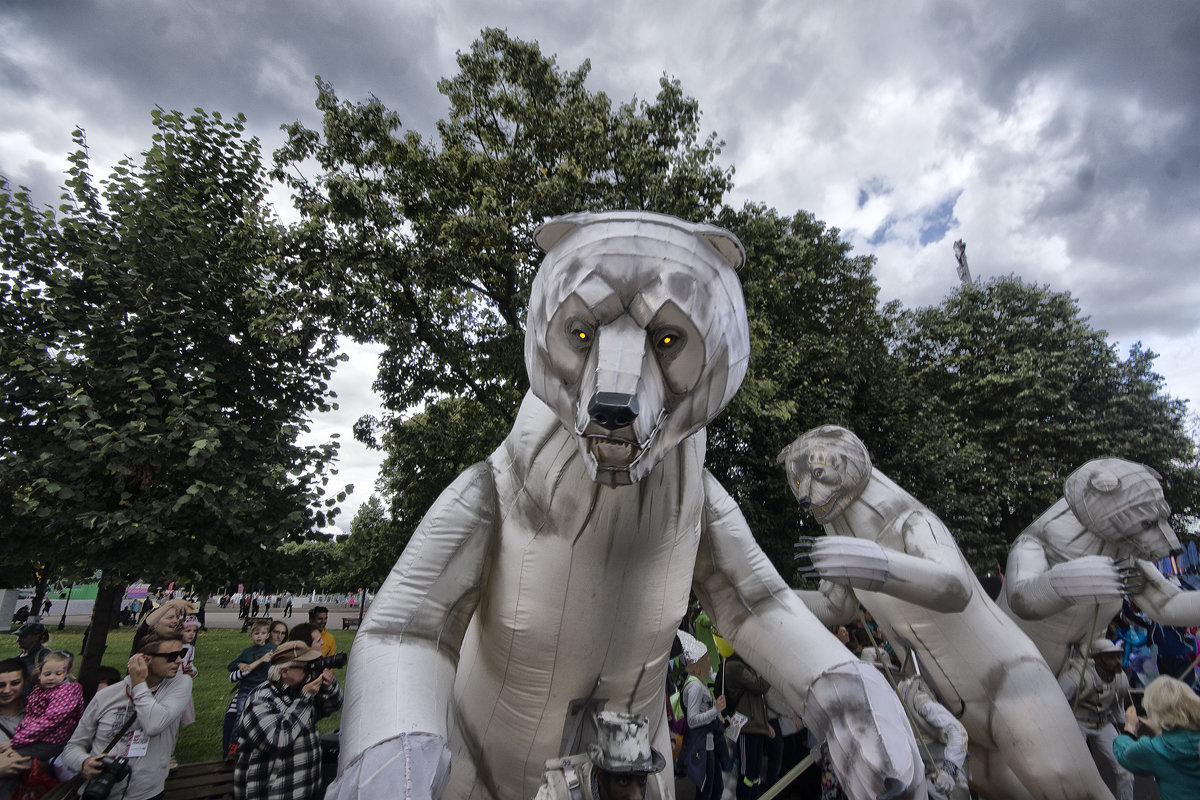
{"x":248,"y":671}
{"x":52,"y":711}
{"x":191,"y":628}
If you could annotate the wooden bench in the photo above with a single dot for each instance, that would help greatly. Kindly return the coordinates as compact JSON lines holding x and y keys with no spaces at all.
{"x":349,"y":622}
{"x":205,"y":780}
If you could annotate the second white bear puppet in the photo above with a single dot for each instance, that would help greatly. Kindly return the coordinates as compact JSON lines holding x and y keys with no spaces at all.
{"x":899,"y":560}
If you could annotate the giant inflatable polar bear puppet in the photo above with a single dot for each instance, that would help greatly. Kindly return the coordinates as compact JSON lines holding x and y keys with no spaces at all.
{"x":904,"y":566}
{"x":548,"y":581}
{"x":1067,"y":570}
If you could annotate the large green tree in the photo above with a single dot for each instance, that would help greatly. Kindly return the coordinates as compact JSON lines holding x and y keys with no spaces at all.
{"x":819,"y":355}
{"x":430,"y":242}
{"x":160,"y":353}
{"x":1028,"y":392}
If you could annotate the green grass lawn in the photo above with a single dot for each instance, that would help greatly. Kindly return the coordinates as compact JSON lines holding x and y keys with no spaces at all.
{"x":215,"y":648}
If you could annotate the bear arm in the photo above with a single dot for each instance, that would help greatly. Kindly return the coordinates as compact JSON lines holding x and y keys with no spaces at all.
{"x":832,"y":603}
{"x":842,"y":700}
{"x":406,"y":652}
{"x":931,"y":571}
{"x":1036,"y":590}
{"x":1027,"y":582}
{"x":1163,"y":601}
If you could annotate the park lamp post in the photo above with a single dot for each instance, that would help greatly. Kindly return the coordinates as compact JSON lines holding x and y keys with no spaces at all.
{"x":62,"y":623}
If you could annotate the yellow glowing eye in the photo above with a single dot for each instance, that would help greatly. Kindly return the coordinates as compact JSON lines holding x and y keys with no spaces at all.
{"x":667,"y":340}
{"x":818,"y":473}
{"x":582,"y":336}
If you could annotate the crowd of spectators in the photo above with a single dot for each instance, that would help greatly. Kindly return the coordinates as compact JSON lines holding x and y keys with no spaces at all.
{"x":122,"y":739}
{"x":734,"y":734}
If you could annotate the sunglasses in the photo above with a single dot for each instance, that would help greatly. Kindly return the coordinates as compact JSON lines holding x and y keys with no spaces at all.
{"x":172,"y":656}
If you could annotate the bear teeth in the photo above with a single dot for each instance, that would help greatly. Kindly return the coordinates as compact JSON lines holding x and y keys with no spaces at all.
{"x":611,"y":452}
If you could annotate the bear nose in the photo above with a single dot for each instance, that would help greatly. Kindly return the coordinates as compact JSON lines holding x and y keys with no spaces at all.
{"x":613,"y":410}
{"x":805,"y":502}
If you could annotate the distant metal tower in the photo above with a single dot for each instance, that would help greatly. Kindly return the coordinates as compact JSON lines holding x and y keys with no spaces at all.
{"x":960,"y":253}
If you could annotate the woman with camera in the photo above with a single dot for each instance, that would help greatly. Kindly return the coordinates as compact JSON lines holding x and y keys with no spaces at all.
{"x":279,"y":750}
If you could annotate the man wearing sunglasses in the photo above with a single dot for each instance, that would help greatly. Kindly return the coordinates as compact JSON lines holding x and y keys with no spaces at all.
{"x":157,"y":693}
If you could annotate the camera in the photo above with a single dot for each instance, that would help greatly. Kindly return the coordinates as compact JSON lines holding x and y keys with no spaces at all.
{"x":113,"y":770}
{"x":335,"y":661}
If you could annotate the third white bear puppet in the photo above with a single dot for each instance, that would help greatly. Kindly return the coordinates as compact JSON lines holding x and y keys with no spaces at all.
{"x":1067,"y":571}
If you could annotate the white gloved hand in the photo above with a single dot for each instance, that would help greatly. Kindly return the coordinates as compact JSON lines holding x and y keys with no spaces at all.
{"x":859,"y":563}
{"x":1086,"y":578}
{"x":943,"y":783}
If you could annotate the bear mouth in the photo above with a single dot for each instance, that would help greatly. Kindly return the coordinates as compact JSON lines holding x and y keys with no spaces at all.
{"x":613,"y":453}
{"x":616,"y":456}
{"x":822,"y":512}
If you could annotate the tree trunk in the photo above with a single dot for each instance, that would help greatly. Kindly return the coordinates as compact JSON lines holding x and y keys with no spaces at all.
{"x":39,"y":594}
{"x":104,"y":614}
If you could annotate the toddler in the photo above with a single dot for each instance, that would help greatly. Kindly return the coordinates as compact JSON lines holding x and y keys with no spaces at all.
{"x":52,"y":710}
{"x":191,"y":628}
{"x":248,"y":671}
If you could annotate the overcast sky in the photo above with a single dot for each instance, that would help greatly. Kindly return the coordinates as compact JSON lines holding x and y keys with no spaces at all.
{"x":1059,"y":139}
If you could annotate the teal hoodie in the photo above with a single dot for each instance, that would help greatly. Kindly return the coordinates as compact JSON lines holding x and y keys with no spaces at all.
{"x":1173,"y":758}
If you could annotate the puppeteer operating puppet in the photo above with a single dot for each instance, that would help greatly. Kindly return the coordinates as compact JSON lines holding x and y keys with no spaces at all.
{"x":546,"y":583}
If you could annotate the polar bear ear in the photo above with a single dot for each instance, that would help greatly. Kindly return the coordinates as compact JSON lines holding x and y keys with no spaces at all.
{"x":1103,"y":481}
{"x":724,"y":243}
{"x":552,"y":231}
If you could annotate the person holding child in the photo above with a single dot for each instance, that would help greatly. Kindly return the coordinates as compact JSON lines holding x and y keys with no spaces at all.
{"x":52,"y":710}
{"x":279,"y":632}
{"x":249,"y":671}
{"x":12,"y":710}
{"x":166,"y":620}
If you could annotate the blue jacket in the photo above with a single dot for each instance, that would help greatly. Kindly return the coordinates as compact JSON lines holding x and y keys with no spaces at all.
{"x":1171,"y":757}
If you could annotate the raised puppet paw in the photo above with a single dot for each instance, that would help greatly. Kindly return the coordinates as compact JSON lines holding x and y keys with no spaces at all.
{"x":1087,"y":578}
{"x":858,"y":563}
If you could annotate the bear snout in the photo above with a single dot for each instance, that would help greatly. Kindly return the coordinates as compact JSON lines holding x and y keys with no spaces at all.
{"x":612,"y":410}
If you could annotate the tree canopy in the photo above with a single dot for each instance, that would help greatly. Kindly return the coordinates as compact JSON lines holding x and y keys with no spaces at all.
{"x":430,"y":243}
{"x":162,"y":350}
{"x":1028,"y":392}
{"x":819,"y":355}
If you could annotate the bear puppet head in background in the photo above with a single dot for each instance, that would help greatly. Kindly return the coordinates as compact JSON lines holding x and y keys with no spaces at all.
{"x":1122,"y":502}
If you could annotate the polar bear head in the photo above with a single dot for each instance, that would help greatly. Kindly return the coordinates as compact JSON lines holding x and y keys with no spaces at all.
{"x":827,"y":468}
{"x":1122,"y":502}
{"x":637,"y":334}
